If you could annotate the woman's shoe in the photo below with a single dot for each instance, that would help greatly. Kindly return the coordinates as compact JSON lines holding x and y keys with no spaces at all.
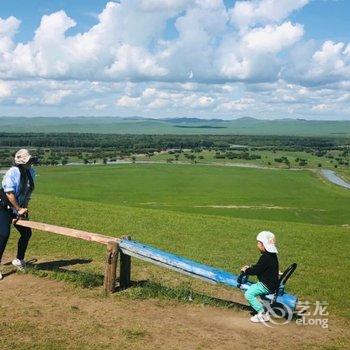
{"x":19,"y":264}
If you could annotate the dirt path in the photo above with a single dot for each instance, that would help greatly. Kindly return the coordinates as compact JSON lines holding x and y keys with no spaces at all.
{"x":38,"y":313}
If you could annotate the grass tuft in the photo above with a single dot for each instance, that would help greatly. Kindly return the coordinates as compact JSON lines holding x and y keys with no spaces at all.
{"x":134,"y":334}
{"x":81,"y":279}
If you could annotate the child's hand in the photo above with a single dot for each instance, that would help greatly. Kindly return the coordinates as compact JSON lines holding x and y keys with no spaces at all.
{"x":244,"y":268}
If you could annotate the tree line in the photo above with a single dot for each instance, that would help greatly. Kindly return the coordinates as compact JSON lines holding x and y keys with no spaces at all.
{"x":58,"y":148}
{"x":140,"y":143}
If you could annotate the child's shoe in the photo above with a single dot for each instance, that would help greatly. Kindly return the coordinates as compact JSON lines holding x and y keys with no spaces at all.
{"x":267,"y":317}
{"x":20,"y":264}
{"x":261,"y":317}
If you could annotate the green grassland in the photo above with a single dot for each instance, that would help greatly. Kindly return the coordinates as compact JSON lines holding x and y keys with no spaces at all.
{"x":170,"y":206}
{"x":279,"y":195}
{"x":180,"y":126}
{"x":345,"y":173}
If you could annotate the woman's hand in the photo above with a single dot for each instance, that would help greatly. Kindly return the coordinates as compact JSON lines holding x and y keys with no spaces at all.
{"x":22,"y":211}
{"x":244,"y":268}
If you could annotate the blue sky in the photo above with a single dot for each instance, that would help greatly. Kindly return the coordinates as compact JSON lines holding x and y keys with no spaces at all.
{"x":166,"y":58}
{"x":30,"y":13}
{"x":325,"y":20}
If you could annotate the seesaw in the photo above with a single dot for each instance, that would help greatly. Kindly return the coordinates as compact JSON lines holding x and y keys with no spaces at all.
{"x":127,"y":248}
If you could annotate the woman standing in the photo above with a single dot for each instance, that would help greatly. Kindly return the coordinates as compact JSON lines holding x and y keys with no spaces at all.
{"x":17,"y":186}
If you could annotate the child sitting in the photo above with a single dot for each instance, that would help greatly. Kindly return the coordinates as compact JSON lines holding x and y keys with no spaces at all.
{"x":266,"y":269}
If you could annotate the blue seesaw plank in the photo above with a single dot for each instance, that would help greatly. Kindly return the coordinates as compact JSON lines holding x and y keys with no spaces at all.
{"x":192,"y":268}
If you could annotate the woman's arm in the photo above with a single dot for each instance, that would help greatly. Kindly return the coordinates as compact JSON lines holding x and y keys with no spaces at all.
{"x":12,"y":199}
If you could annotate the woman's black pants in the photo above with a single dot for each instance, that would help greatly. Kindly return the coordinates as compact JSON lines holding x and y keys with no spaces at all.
{"x":5,"y":227}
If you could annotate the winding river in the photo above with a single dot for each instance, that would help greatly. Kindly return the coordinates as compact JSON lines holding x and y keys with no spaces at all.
{"x":331,"y":176}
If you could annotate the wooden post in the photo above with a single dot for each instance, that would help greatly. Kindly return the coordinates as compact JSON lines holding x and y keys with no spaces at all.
{"x":111,"y":267}
{"x":125,"y":269}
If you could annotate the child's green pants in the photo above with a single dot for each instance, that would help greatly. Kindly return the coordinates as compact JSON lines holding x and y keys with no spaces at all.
{"x":251,"y":294}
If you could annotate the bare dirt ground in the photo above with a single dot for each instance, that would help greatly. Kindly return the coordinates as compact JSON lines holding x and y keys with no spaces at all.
{"x":39,"y":313}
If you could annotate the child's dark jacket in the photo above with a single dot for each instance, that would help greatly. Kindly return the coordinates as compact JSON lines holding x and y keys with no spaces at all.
{"x":266,"y":269}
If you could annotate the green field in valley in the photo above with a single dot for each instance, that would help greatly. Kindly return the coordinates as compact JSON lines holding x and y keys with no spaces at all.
{"x":207,"y":213}
{"x":266,"y":194}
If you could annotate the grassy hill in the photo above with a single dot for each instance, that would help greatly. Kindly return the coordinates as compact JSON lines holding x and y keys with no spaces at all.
{"x":206,"y":213}
{"x":242,"y":126}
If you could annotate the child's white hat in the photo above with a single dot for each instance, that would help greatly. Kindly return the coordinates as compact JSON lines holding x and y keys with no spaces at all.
{"x":268,"y":239}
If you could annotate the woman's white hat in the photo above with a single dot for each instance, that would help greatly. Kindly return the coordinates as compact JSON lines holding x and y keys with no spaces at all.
{"x":268,"y":239}
{"x":22,"y":156}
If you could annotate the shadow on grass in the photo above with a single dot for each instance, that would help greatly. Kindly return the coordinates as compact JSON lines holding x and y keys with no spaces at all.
{"x":143,"y":289}
{"x":6,"y":274}
{"x":57,"y":264}
{"x":55,"y":269}
{"x":183,"y":293}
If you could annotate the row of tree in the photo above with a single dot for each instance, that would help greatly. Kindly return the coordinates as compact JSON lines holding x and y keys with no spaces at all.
{"x":146,"y":143}
{"x":59,"y":148}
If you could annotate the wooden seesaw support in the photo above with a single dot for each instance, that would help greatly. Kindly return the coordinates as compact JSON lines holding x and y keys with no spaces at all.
{"x":111,"y":243}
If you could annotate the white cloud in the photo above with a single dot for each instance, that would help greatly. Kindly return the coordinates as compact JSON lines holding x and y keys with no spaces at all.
{"x":26,"y":101}
{"x":164,"y":5}
{"x":158,"y":103}
{"x":265,"y":100}
{"x":327,"y":64}
{"x":332,"y":59}
{"x":236,"y":105}
{"x":320,"y":107}
{"x":272,"y":38}
{"x":251,"y":56}
{"x":246,"y":58}
{"x":9,"y":26}
{"x":344,"y":98}
{"x":123,"y":29}
{"x":94,"y":104}
{"x":236,"y":62}
{"x":205,"y":101}
{"x":127,"y":101}
{"x":55,"y":98}
{"x":5,"y":90}
{"x":8,"y":29}
{"x":249,"y":13}
{"x":155,"y":98}
{"x":131,"y":62}
{"x":126,"y":44}
{"x":191,"y":55}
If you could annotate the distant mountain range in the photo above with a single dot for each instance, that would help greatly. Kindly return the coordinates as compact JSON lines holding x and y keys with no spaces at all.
{"x":181,"y":125}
